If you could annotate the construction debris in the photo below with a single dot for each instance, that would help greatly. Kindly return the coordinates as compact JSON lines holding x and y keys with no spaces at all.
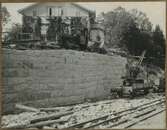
{"x":72,"y":115}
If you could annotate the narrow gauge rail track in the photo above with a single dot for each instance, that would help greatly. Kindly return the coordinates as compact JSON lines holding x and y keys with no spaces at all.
{"x":122,"y":119}
{"x":125,"y":118}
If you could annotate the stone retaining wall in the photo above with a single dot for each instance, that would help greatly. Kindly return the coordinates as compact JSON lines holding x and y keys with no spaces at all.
{"x":45,"y":78}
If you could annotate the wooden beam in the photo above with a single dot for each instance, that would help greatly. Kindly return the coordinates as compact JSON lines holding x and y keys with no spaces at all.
{"x":53,"y":109}
{"x":26,"y":108}
{"x":36,"y":125}
{"x":45,"y":123}
{"x":50,"y":117}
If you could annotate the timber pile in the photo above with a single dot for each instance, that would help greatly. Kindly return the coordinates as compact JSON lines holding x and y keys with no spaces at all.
{"x":41,"y":121}
{"x":49,"y":116}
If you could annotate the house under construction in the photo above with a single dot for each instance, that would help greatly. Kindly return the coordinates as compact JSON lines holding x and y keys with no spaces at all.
{"x":58,"y":22}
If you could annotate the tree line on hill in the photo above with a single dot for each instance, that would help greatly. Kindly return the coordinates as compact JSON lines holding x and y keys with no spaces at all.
{"x":133,"y":32}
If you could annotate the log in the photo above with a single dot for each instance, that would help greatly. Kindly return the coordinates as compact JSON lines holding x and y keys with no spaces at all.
{"x":50,"y":117}
{"x":26,"y":108}
{"x":103,"y":122}
{"x":49,"y":109}
{"x":53,"y":109}
{"x":21,"y":126}
{"x":37,"y":125}
{"x":79,"y":125}
{"x":45,"y":123}
{"x":41,"y":121}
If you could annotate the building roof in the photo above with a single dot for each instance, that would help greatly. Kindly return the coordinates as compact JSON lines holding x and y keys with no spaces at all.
{"x":74,"y":4}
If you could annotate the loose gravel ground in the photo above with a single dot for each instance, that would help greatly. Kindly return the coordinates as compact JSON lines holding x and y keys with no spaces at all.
{"x":88,"y":111}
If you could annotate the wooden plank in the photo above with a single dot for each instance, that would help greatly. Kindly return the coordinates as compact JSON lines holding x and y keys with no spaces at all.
{"x":41,"y":121}
{"x":50,"y":117}
{"x":54,"y":109}
{"x":20,"y":126}
{"x":104,"y":121}
{"x":45,"y":123}
{"x":85,"y":122}
{"x":26,"y":108}
{"x":36,"y":125}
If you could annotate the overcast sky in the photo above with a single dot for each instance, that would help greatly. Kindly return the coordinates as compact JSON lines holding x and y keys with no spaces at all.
{"x":154,"y":10}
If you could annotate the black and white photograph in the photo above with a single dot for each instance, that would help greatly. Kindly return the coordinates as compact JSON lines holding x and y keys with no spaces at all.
{"x":80,"y":65}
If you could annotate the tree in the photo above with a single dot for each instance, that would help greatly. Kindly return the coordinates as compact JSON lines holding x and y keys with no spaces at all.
{"x":141,"y":20}
{"x":116,"y":23}
{"x":159,"y":45}
{"x":132,"y":31}
{"x":132,"y":40}
{"x":5,"y":15}
{"x":159,"y":40}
